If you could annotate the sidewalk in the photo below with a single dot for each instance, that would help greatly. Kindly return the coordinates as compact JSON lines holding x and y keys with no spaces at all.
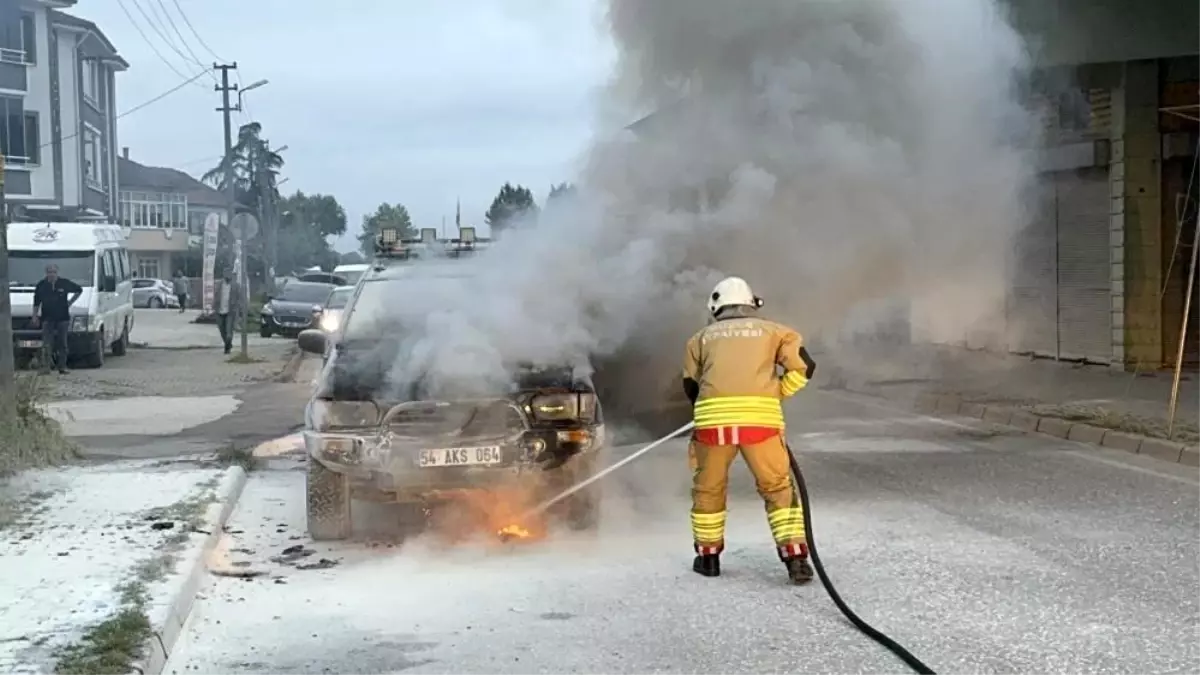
{"x":95,"y":560}
{"x":1095,"y":395}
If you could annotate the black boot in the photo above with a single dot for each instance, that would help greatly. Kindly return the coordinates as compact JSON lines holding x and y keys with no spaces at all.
{"x":799,"y":571}
{"x":707,"y":565}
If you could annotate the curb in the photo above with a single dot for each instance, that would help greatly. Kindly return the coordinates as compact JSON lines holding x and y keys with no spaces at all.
{"x":1159,"y":448}
{"x":288,"y":374}
{"x":158,"y":648}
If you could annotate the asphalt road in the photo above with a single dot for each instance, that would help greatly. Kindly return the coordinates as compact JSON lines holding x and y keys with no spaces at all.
{"x":978,"y":548}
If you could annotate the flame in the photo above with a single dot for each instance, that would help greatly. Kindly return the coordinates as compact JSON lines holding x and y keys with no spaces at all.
{"x":493,"y":515}
{"x":514,"y":532}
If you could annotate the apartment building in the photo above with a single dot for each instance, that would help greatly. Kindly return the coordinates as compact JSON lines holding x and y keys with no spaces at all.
{"x":58,"y":124}
{"x":163,"y":211}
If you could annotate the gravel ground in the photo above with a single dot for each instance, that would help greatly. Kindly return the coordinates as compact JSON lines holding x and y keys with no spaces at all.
{"x":169,"y":372}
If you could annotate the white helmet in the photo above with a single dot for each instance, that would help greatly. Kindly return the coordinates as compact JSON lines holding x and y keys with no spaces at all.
{"x":732,"y":291}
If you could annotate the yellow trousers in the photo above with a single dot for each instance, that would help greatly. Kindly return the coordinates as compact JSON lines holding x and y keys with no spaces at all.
{"x":768,"y":461}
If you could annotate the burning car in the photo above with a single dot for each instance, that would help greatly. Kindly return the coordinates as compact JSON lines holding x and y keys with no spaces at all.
{"x":367,"y":441}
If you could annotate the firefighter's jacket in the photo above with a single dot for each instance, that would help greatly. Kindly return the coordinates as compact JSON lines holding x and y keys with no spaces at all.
{"x":733,"y":363}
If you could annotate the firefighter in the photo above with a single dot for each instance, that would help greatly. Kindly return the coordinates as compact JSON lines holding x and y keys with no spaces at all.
{"x":730,"y":375}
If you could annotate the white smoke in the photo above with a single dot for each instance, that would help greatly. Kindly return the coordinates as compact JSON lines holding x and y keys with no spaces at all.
{"x":853,"y":151}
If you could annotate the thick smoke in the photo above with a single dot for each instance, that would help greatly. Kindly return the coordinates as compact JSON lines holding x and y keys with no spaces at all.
{"x":842,"y":156}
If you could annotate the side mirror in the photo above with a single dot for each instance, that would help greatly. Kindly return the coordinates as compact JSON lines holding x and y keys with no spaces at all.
{"x":312,"y":341}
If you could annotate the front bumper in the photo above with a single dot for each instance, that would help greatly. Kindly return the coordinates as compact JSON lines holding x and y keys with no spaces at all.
{"x":29,"y":341}
{"x":383,"y":466}
{"x":286,"y":324}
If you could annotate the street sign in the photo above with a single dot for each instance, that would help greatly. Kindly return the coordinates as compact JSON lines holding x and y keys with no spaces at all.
{"x":247,"y":221}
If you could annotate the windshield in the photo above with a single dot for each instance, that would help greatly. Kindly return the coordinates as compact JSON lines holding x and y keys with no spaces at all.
{"x":390,"y":302}
{"x":302,"y":292}
{"x":351,"y":276}
{"x":338,"y":298}
{"x":26,"y":268}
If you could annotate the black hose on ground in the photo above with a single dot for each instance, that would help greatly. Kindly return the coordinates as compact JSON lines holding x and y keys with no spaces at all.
{"x":891,"y":645}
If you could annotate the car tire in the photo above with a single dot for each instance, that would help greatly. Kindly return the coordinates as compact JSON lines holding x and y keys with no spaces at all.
{"x":122,"y":344}
{"x":264,"y":330}
{"x":95,"y":358}
{"x":327,"y":502}
{"x":155,"y":303}
{"x":581,"y":511}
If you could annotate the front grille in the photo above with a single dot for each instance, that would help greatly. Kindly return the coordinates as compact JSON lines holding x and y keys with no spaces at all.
{"x":293,"y":321}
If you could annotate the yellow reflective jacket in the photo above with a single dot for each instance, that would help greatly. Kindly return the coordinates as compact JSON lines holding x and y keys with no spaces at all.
{"x":734,"y":363}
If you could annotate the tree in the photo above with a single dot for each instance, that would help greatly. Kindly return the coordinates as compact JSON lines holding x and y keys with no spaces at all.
{"x":561,"y":191}
{"x":386,"y":215}
{"x":513,"y":203}
{"x":305,"y":223}
{"x":250,"y":158}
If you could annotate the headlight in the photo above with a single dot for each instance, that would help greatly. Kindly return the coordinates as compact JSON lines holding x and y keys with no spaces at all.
{"x":344,"y":414}
{"x":567,"y":406}
{"x":329,"y":322}
{"x":266,"y":309}
{"x":79,"y":323}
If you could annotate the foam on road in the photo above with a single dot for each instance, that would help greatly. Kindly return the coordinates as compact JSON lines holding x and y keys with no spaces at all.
{"x":980,"y":549}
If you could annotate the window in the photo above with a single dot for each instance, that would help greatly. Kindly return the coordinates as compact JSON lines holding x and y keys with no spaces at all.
{"x":12,"y":130}
{"x":91,"y":157}
{"x":144,"y":283}
{"x":147,"y":267}
{"x":18,"y":42}
{"x":33,"y":142}
{"x":108,"y":266}
{"x":123,"y":271}
{"x":91,"y":81}
{"x":163,"y":210}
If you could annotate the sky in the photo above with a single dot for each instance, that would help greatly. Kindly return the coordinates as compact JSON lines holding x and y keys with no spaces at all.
{"x":421,"y":103}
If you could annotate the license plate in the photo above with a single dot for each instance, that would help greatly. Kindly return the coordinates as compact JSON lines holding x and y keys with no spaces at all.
{"x":480,"y":456}
{"x":29,"y":344}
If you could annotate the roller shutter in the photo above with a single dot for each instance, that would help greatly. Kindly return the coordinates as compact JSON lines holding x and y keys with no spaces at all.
{"x":1084,"y":269}
{"x":1033,"y":301}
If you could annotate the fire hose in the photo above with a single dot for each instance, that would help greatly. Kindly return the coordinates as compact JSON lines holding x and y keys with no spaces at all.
{"x":867,"y":629}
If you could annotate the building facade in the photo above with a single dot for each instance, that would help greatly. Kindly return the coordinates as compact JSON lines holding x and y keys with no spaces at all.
{"x":58,"y":106}
{"x":163,"y":211}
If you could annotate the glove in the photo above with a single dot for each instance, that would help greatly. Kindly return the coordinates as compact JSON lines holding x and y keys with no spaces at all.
{"x":792,"y":382}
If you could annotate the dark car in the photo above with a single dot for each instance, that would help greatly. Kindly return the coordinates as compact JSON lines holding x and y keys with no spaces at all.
{"x":295,"y":308}
{"x":371,"y":440}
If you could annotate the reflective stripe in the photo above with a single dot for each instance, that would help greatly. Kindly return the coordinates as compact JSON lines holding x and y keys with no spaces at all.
{"x":793,"y":381}
{"x":731,"y":411}
{"x":787,"y":524}
{"x":708,"y":528}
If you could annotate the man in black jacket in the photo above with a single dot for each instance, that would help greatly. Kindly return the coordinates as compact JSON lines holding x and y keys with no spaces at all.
{"x":52,"y":300}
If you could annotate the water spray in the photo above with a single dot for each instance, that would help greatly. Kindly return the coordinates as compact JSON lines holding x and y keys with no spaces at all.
{"x":867,"y":629}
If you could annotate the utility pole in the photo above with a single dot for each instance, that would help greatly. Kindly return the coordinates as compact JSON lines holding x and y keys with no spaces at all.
{"x":231,"y":193}
{"x":270,"y":236}
{"x":8,"y":376}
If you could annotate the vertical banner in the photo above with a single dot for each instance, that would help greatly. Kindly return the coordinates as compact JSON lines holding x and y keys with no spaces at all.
{"x":212,"y":229}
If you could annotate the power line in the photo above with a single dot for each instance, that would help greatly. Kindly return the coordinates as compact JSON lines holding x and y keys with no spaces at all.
{"x":151,"y":43}
{"x":192,"y":28}
{"x":183,"y":41}
{"x":155,"y":26}
{"x":139,"y":106}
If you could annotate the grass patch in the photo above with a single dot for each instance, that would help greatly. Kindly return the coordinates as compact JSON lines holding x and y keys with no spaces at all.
{"x":29,"y":437}
{"x":117,"y":643}
{"x":231,"y":455}
{"x":243,"y":359}
{"x":1185,"y":432}
{"x":111,"y":646}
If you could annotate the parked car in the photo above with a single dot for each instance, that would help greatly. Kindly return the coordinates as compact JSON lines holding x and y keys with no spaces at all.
{"x":371,"y":438}
{"x":333,"y":309}
{"x":295,"y":308}
{"x":154,"y":293}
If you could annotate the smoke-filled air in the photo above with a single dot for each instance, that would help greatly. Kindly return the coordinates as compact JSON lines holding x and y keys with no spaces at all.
{"x":840,"y":155}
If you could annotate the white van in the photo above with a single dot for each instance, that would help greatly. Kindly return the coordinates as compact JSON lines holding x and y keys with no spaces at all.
{"x":351,"y":272}
{"x":93,"y":256}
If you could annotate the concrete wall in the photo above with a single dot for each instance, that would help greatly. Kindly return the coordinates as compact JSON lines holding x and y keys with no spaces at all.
{"x":1071,"y":32}
{"x":1136,"y":217}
